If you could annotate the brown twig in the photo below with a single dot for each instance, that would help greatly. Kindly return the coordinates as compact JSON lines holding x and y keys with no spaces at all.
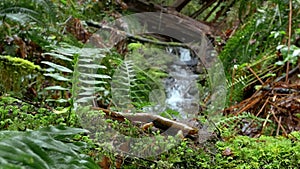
{"x":265,"y":122}
{"x":261,"y":109}
{"x":277,"y":131}
{"x":248,"y":106}
{"x":252,"y":71}
{"x":279,"y":123}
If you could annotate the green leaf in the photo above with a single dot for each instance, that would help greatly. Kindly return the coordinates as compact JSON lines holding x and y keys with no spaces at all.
{"x":85,"y":99}
{"x":92,"y":82}
{"x":95,"y":76}
{"x":57,"y":100}
{"x":56,"y":76}
{"x":58,"y":67}
{"x":61,"y":130}
{"x":296,"y":52}
{"x":92,"y":66}
{"x":92,"y":88}
{"x":44,"y":149}
{"x":56,"y":88}
{"x":59,"y":56}
{"x":279,"y":63}
{"x":280,"y":47}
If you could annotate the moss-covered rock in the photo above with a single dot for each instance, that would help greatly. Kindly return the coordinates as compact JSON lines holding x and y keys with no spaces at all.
{"x":17,"y":74}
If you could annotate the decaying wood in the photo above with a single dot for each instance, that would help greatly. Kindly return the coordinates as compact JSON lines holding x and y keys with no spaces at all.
{"x":146,"y":6}
{"x":158,"y":121}
{"x":123,"y":34}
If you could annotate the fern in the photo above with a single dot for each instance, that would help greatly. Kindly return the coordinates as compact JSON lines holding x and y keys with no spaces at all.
{"x":132,"y":86}
{"x":122,"y":84}
{"x":43,"y":149}
{"x":240,"y":123}
{"x":81,"y":77}
{"x":41,"y":11}
{"x":239,"y":80}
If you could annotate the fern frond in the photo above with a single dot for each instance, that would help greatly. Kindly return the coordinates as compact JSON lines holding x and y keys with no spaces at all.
{"x":239,"y":80}
{"x":22,"y":16}
{"x":41,"y":11}
{"x":82,"y":79}
{"x":43,"y":149}
{"x":229,"y":121}
{"x":122,"y":82}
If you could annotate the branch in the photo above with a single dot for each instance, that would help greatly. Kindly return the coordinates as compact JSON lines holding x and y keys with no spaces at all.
{"x":158,"y":121}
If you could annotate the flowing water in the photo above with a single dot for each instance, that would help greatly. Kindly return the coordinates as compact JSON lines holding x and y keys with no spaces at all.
{"x":182,"y":94}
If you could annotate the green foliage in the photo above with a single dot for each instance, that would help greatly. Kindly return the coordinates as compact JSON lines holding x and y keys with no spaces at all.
{"x":26,"y":19}
{"x":41,"y":11}
{"x":183,"y":155}
{"x":43,"y":148}
{"x":186,"y":155}
{"x":137,"y":79}
{"x":263,"y":152}
{"x":243,"y":124}
{"x":13,"y":61}
{"x":18,"y":115}
{"x":123,"y":81}
{"x":79,"y":66}
{"x":134,"y":46}
{"x":253,"y":39}
{"x":290,"y":55}
{"x":76,"y":76}
{"x":237,"y":152}
{"x":254,"y":45}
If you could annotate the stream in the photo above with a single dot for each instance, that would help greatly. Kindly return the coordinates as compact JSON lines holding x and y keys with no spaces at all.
{"x":182,"y":94}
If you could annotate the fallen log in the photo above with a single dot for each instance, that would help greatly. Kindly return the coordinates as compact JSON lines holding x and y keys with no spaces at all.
{"x":158,"y":121}
{"x":182,"y":20}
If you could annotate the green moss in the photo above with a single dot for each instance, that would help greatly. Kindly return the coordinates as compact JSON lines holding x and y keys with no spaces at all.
{"x":19,"y":62}
{"x":134,"y":46}
{"x":238,"y":152}
{"x":18,"y":115}
{"x":17,"y":74}
{"x":263,"y":152}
